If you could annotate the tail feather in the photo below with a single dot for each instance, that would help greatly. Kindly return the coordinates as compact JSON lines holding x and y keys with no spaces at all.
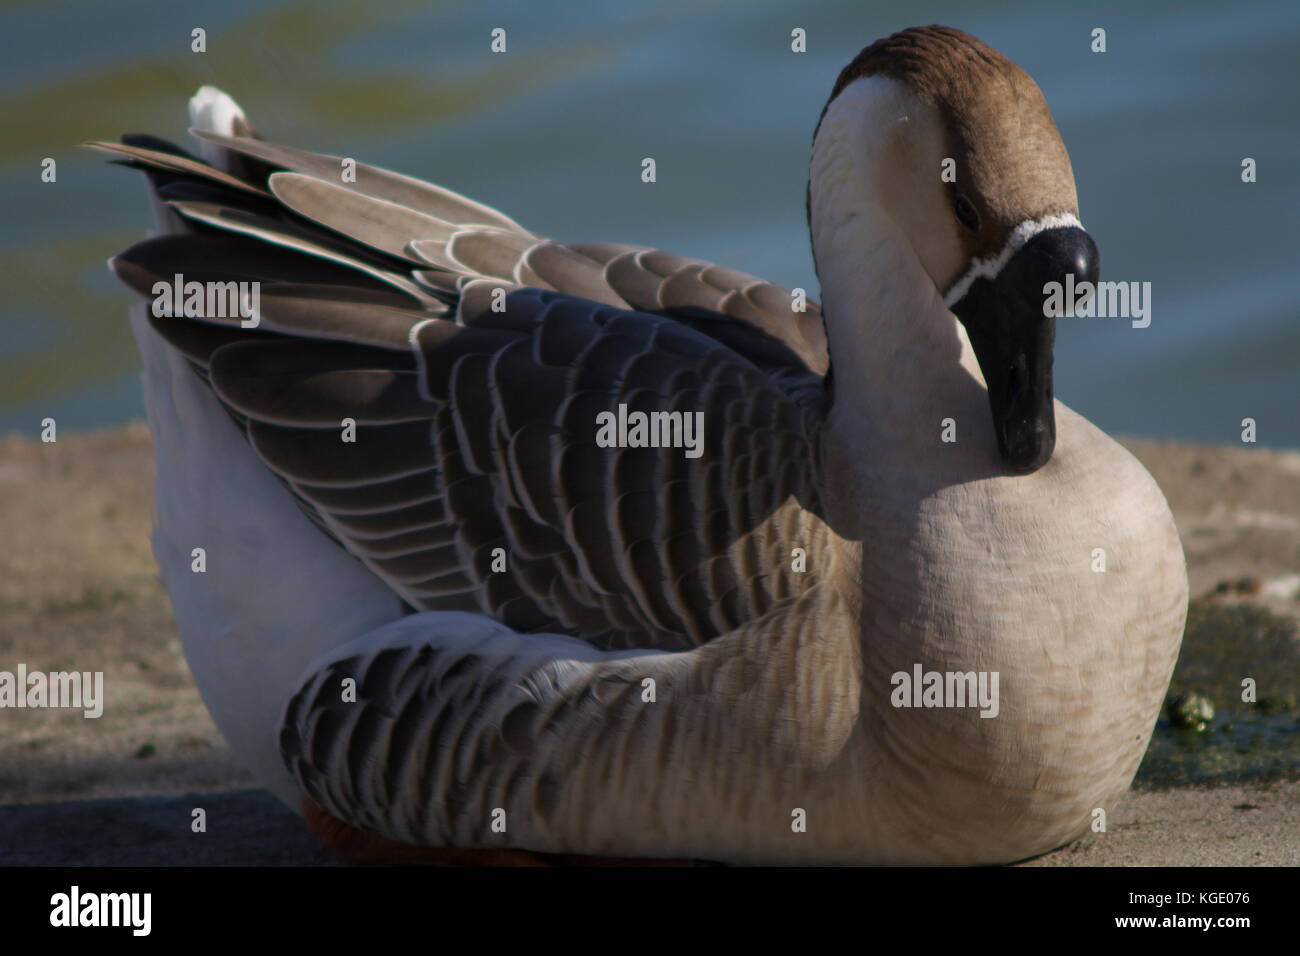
{"x":216,"y":111}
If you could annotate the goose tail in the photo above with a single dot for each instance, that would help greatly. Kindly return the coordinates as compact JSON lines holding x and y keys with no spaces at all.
{"x":213,"y":110}
{"x":273,"y":592}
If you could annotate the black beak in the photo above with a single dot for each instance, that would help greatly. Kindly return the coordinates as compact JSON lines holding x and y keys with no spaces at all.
{"x":1012,"y":335}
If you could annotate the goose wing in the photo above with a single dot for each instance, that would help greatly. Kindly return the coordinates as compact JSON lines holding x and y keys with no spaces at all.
{"x":427,"y":378}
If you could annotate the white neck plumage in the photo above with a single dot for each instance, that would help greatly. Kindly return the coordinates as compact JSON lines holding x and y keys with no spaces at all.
{"x":902,"y":361}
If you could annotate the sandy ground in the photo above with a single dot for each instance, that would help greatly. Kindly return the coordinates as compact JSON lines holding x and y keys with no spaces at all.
{"x":79,"y":590}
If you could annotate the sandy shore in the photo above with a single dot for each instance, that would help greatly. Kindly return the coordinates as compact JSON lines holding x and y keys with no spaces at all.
{"x":79,"y":590}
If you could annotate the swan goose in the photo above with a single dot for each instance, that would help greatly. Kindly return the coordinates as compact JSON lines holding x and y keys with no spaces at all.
{"x":611,"y":651}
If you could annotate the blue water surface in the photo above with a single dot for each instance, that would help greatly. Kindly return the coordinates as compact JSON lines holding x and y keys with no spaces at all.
{"x":553,"y":131}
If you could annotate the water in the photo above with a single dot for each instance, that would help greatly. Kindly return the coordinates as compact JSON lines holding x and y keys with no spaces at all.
{"x":554,"y":130}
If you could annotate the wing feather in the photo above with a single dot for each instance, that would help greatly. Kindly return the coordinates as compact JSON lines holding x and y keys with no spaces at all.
{"x":473,"y":359}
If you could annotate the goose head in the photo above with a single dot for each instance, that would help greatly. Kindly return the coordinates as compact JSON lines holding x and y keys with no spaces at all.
{"x":937,"y":164}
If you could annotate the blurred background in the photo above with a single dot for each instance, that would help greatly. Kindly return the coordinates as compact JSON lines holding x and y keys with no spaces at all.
{"x":554,"y":130}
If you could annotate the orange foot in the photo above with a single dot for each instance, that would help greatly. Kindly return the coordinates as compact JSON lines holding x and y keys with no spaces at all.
{"x":353,"y":845}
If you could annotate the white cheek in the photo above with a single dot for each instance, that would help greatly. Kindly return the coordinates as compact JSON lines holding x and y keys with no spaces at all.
{"x":940,"y":250}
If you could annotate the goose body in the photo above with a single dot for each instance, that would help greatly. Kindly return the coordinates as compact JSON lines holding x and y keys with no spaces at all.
{"x":572,"y":648}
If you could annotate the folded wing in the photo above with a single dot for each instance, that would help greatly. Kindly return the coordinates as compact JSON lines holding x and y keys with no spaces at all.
{"x":427,"y":377}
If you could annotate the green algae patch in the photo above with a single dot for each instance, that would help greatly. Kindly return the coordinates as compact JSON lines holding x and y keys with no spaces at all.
{"x":1207,"y":733}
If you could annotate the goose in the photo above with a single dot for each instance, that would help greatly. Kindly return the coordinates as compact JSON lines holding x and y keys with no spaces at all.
{"x":428,"y":608}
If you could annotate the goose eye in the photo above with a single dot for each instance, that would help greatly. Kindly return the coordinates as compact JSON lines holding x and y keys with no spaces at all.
{"x":966,"y":213}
